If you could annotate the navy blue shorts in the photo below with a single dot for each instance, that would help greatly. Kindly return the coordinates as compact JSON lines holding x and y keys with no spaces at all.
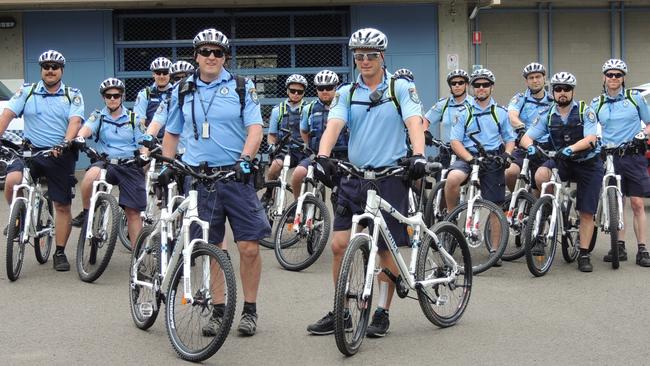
{"x":130,"y":180}
{"x":297,"y":156}
{"x":588,"y":175}
{"x":236,"y":202}
{"x":59,"y":173}
{"x":492,"y":177}
{"x":352,"y":201}
{"x":635,"y":181}
{"x":533,"y":164}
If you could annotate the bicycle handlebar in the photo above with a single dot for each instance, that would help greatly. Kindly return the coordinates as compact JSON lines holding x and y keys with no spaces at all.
{"x":187,"y":170}
{"x":23,"y":152}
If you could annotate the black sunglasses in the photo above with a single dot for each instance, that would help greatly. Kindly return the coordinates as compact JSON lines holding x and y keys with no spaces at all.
{"x":612,"y":75}
{"x":206,"y":52}
{"x":562,"y":88}
{"x":484,"y":85}
{"x":296,"y":91}
{"x":51,"y":67}
{"x":177,"y":78}
{"x":325,"y":88}
{"x":112,"y":96}
{"x":457,"y":83}
{"x":161,"y":72}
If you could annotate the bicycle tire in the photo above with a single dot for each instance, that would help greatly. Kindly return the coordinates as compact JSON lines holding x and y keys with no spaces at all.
{"x":269,"y":242}
{"x":479,"y":245}
{"x":147,"y":270}
{"x":612,"y":205}
{"x":43,"y":245}
{"x":539,"y":265}
{"x":571,"y":235}
{"x":516,"y":248}
{"x":89,"y":270}
{"x":15,"y":249}
{"x":349,"y":342}
{"x":430,"y":216}
{"x":303,"y":248}
{"x":123,"y":232}
{"x":175,"y":325}
{"x":449,"y":236}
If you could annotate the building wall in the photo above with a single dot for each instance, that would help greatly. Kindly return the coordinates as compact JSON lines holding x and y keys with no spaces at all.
{"x":11,"y":49}
{"x":453,"y":41}
{"x":637,"y":55}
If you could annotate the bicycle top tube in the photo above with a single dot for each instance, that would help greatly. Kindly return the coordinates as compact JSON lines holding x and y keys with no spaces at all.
{"x":214,"y":176}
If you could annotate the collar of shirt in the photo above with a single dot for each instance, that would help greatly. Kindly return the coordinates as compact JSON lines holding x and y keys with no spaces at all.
{"x":40,"y":88}
{"x":529,"y":95}
{"x":383,"y":83}
{"x":476,"y":106}
{"x":452,"y":100}
{"x":107,"y":114}
{"x":574,"y":104}
{"x":223,"y":77}
{"x":167,"y":87}
{"x":291,"y":107}
{"x":619,"y":96}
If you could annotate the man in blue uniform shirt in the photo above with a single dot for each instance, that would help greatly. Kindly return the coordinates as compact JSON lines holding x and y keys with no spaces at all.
{"x":220,"y":133}
{"x":53,"y":114}
{"x":378,"y":135}
{"x":571,"y":128}
{"x":620,"y":112}
{"x":150,"y":97}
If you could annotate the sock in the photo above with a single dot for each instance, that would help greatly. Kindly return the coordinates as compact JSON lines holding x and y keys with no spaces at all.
{"x":218,"y":310}
{"x":641,"y":246}
{"x":584,"y":251}
{"x":249,"y":308}
{"x":59,"y":250}
{"x":85,"y":211}
{"x":621,"y":242}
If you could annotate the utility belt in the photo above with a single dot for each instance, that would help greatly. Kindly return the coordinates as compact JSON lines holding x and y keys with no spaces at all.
{"x":203,"y":168}
{"x":495,"y":152}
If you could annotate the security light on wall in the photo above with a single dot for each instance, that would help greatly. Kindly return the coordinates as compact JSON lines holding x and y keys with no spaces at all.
{"x":478,"y":7}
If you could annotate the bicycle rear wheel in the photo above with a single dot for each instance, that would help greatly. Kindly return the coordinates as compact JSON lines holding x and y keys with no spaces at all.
{"x":145,"y":302}
{"x":349,"y":305}
{"x":212,"y":281}
{"x":541,"y":248}
{"x":269,"y":204}
{"x":123,"y":232}
{"x":515,"y":248}
{"x":612,"y":205}
{"x":444,"y":303}
{"x":571,"y":235}
{"x":435,"y":207}
{"x":297,"y":251}
{"x":94,"y":253}
{"x":44,"y":220}
{"x":16,"y":248}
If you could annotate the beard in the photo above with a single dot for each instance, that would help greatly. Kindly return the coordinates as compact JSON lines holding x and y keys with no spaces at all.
{"x":563,"y":103}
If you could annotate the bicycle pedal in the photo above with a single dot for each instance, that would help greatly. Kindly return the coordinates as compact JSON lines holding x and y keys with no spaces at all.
{"x":146,"y":309}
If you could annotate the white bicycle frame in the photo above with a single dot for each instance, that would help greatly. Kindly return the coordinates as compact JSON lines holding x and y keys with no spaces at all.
{"x":521,"y":185}
{"x":559,"y":194}
{"x":602,"y":213}
{"x":304,"y":194}
{"x":107,"y":188}
{"x":281,"y":195}
{"x":443,"y":177}
{"x":473,"y":219}
{"x":148,"y":184}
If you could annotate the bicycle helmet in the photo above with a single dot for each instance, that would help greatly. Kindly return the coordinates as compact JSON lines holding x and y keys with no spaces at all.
{"x":533,"y":67}
{"x":368,"y":38}
{"x":211,"y":36}
{"x":564,"y":78}
{"x":296,"y":79}
{"x":180,"y":67}
{"x":404,"y":73}
{"x":326,"y":77}
{"x":111,"y":83}
{"x":51,"y":56}
{"x":161,"y":63}
{"x":615,"y":64}
{"x":457,"y":73}
{"x":482,"y":74}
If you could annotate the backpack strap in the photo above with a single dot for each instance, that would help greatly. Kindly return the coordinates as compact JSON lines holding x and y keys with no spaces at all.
{"x":393,"y":96}
{"x":444,"y":109}
{"x":99,"y":128}
{"x":241,"y":92}
{"x":147,"y":93}
{"x":628,"y":95}
{"x":581,"y":110}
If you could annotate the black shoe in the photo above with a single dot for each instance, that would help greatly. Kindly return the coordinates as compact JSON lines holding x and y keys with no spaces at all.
{"x":379,"y":325}
{"x":247,"y":324}
{"x":538,"y":249}
{"x":326,"y":325}
{"x":61,"y":262}
{"x":622,"y":254}
{"x":498,"y":263}
{"x":584,"y":263}
{"x":78,"y":220}
{"x":643,"y":257}
{"x":212,"y":328}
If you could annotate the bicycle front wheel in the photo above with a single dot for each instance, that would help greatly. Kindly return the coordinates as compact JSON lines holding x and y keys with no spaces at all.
{"x":212,"y":282}
{"x":541,"y":246}
{"x":486,"y":232}
{"x":94,"y":253}
{"x":444,"y":303}
{"x":123,"y":232}
{"x":44,"y":221}
{"x":612,"y":205}
{"x":515,"y":248}
{"x":435,"y":207}
{"x":16,"y":248}
{"x":571,"y":235}
{"x":270,"y":203}
{"x":351,"y":310}
{"x":297,"y":251}
{"x":144,"y":301}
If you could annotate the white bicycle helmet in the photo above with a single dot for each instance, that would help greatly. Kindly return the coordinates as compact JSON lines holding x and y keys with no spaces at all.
{"x":533,"y":67}
{"x":368,"y":38}
{"x":615,"y":64}
{"x":111,"y":83}
{"x":404,"y":73}
{"x":51,"y":56}
{"x":482,"y":74}
{"x":211,"y":36}
{"x":181,"y":67}
{"x":161,"y":63}
{"x":325,"y":78}
{"x":457,"y":73}
{"x":296,"y":79}
{"x":564,"y":78}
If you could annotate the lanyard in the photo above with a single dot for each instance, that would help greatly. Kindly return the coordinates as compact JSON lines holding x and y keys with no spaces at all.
{"x":205,"y":111}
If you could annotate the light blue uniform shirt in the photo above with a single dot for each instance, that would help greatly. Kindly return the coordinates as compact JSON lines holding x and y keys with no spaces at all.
{"x":531,"y":109}
{"x":142,"y":103}
{"x":227,"y":129}
{"x":160,"y":117}
{"x":446,"y":118}
{"x":275,"y":121}
{"x":378,"y":135}
{"x":118,"y":142}
{"x":493,"y":134}
{"x":619,"y":118}
{"x":46,"y":115}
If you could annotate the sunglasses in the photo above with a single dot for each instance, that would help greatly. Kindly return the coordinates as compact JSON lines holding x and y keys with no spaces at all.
{"x":177,"y":78}
{"x":371,"y":56}
{"x":112,"y":96}
{"x":296,"y":91}
{"x":51,"y":67}
{"x":482,"y":85}
{"x":612,"y":75}
{"x":161,"y":72}
{"x":206,"y":52}
{"x":325,"y":88}
{"x":457,"y":83}
{"x":562,"y":88}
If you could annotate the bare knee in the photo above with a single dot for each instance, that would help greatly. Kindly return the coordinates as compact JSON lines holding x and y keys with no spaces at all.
{"x":248,"y":250}
{"x":637,"y":205}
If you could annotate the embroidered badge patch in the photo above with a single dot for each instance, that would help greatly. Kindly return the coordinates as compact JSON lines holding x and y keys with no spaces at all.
{"x":254,"y":97}
{"x":76,"y":100}
{"x":413,"y":94}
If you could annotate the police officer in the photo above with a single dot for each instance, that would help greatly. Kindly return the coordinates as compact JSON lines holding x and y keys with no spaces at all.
{"x":180,"y":69}
{"x":377,"y":140}
{"x":523,"y":110}
{"x":150,"y":97}
{"x":53,"y":113}
{"x":620,"y":112}
{"x":117,"y":134}
{"x":571,"y":127}
{"x":289,"y":114}
{"x":205,"y":111}
{"x":313,"y":127}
